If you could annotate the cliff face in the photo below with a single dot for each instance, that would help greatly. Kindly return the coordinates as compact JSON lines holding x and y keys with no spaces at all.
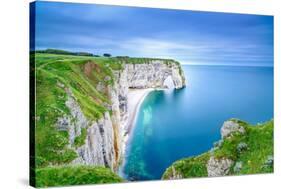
{"x":98,"y":140}
{"x":154,"y":74}
{"x":221,"y":166}
{"x":102,"y":140}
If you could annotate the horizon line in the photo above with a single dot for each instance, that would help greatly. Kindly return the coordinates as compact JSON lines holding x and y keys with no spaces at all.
{"x":237,"y":65}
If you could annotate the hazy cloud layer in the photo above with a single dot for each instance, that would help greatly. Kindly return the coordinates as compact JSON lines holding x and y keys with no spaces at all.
{"x":187,"y":36}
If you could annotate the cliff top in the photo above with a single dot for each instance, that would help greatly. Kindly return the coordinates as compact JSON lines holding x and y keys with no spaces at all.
{"x":106,"y":56}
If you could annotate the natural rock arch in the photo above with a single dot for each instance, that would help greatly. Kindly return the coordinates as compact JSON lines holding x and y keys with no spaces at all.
{"x":169,"y":82}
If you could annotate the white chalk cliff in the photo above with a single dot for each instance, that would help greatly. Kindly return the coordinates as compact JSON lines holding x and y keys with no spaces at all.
{"x":105,"y":137}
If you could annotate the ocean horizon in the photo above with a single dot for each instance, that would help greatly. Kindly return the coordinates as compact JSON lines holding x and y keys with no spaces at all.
{"x":174,"y":124}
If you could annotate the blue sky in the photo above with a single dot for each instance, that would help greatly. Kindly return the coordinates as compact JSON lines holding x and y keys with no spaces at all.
{"x":187,"y":36}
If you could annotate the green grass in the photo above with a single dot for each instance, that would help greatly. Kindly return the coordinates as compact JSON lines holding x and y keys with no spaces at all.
{"x":50,"y":104}
{"x":74,"y":175}
{"x":229,"y":147}
{"x":80,"y":140}
{"x":189,"y":167}
{"x":259,"y":141}
{"x":260,"y":144}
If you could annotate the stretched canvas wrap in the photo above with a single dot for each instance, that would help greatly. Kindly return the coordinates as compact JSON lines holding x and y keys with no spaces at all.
{"x":125,"y":94}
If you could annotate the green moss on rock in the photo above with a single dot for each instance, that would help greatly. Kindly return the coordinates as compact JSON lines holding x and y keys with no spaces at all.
{"x":80,"y":140}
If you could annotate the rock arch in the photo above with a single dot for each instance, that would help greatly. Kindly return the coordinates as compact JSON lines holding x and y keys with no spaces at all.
{"x":169,"y":82}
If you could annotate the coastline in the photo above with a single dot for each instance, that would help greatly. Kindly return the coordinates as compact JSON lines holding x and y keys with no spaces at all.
{"x":135,"y":99}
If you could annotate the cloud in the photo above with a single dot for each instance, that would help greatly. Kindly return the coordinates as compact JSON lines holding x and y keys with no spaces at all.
{"x":195,"y":51}
{"x":182,"y":35}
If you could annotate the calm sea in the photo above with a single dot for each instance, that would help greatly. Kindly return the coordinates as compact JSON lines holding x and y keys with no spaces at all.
{"x":179,"y":123}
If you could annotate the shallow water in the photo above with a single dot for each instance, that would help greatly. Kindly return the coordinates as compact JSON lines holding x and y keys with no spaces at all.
{"x":175,"y":124}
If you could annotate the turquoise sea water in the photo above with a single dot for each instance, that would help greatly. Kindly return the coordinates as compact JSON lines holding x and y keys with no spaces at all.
{"x":179,"y":123}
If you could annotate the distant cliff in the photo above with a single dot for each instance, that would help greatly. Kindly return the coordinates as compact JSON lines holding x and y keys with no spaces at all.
{"x":82,"y":105}
{"x":243,"y":149}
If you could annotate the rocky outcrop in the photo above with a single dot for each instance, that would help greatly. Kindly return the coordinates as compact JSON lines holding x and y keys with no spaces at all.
{"x":221,"y":167}
{"x":103,"y":143}
{"x":99,"y":144}
{"x":75,"y":121}
{"x":175,"y":174}
{"x":98,"y":147}
{"x":229,"y":127}
{"x":218,"y":167}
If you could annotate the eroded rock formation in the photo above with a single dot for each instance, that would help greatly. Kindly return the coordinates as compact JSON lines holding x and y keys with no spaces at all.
{"x":218,"y":167}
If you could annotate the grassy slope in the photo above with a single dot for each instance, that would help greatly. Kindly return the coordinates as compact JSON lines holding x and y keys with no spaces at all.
{"x":259,"y":140}
{"x":73,"y":175}
{"x":55,"y":74}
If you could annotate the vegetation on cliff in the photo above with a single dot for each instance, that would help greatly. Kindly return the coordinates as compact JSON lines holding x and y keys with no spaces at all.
{"x":87,"y":79}
{"x":73,"y":175}
{"x":55,"y":75}
{"x":251,"y":152}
